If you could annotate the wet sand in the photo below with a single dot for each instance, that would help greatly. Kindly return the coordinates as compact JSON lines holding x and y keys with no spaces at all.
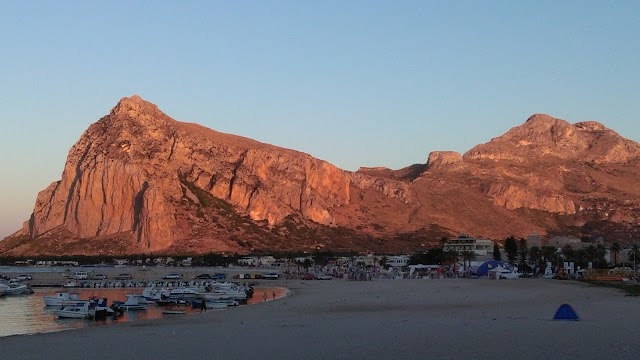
{"x":403,"y":319}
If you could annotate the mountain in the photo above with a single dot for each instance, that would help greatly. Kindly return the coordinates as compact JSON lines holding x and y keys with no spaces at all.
{"x":138,"y":181}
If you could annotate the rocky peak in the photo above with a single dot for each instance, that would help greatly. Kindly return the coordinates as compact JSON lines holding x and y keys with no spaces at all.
{"x":543,"y":136}
{"x":438,"y":159}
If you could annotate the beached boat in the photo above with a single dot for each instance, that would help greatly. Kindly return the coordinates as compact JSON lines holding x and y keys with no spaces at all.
{"x":156,"y":294}
{"x":62,"y":298}
{"x":132,"y":303}
{"x":16,"y":289}
{"x":174,"y":312}
{"x":80,"y":311}
{"x":184,"y":293}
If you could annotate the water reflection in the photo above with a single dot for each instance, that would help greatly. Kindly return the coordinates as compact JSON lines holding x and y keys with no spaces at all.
{"x":27,"y":314}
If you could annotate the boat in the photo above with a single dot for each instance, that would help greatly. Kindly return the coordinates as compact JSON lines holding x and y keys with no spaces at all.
{"x":80,"y":311}
{"x":184,"y":293}
{"x":174,"y":312}
{"x":156,"y":294}
{"x":102,"y":310}
{"x":132,"y":303}
{"x":62,"y":298}
{"x":71,"y":284}
{"x":16,"y":289}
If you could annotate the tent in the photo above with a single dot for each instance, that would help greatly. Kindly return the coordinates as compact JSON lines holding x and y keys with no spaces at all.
{"x":566,"y":312}
{"x":483,"y":270}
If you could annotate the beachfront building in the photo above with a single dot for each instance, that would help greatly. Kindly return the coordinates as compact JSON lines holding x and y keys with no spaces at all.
{"x":534,"y":240}
{"x":562,"y":241}
{"x":397,"y":261}
{"x":482,"y":248}
{"x":257,"y":261}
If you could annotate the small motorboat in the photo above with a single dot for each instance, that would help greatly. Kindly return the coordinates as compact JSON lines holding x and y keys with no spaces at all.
{"x":132,"y":303}
{"x":174,"y":312}
{"x":80,"y":311}
{"x":62,"y":298}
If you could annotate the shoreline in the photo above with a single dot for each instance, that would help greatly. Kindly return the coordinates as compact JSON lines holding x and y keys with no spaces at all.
{"x":339,"y":319}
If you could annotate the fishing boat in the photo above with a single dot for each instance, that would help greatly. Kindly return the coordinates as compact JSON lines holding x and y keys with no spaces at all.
{"x":80,"y":311}
{"x":62,"y":298}
{"x":132,"y":303}
{"x":15,"y":289}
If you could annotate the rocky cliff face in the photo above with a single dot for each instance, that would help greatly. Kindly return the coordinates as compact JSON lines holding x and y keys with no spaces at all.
{"x":139,"y":181}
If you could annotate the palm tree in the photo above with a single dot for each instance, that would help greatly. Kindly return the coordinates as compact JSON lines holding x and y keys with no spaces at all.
{"x":468,"y":256}
{"x":615,"y":250}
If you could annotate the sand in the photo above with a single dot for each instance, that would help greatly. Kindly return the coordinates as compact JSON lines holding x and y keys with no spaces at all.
{"x":380,"y":319}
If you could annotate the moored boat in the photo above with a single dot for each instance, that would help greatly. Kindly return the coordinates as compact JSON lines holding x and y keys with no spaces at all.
{"x":79,"y":311}
{"x":62,"y":298}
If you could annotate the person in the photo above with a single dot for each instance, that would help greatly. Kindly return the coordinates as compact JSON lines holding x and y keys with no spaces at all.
{"x":204,"y":305}
{"x":265,"y":296}
{"x":274,"y":295}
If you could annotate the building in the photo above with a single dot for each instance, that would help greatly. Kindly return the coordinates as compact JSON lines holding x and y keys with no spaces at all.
{"x":482,"y":248}
{"x":397,"y":261}
{"x":562,"y":241}
{"x":534,"y":240}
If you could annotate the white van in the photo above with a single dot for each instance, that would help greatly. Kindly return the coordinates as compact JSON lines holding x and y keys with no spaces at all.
{"x":81,"y":275}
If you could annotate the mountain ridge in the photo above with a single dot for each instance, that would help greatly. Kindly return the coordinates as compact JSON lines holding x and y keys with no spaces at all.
{"x":139,"y":181}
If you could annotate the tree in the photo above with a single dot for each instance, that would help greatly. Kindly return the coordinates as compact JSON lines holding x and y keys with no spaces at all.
{"x":615,"y":250}
{"x":383,"y":261}
{"x":511,"y":248}
{"x":496,"y":252}
{"x":535,"y":258}
{"x":468,"y":256}
{"x":522,"y":255}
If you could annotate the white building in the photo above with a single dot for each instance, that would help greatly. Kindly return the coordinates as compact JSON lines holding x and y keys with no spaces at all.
{"x":397,"y":261}
{"x":483,"y":248}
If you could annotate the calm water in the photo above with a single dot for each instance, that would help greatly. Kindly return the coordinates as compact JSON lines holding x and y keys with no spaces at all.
{"x":26,"y":314}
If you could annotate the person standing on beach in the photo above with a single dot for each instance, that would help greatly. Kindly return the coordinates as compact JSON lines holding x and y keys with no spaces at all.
{"x":203,"y":306}
{"x":265,"y":297}
{"x":274,"y":295}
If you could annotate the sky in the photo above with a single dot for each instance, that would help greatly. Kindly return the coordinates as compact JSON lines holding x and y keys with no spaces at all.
{"x":355,"y":83}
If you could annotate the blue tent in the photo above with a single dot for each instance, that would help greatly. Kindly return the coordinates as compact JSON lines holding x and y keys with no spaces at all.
{"x":566,"y":312}
{"x":483,"y":269}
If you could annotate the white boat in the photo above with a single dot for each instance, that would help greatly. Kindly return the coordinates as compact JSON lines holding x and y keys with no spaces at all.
{"x":132,"y":303}
{"x":62,"y":298}
{"x":155,"y":294}
{"x":70,"y":284}
{"x":141,"y":298}
{"x":184,"y":293}
{"x":80,"y":311}
{"x":15,"y":289}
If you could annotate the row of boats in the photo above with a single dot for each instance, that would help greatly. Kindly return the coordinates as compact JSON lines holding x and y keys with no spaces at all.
{"x":213,"y":295}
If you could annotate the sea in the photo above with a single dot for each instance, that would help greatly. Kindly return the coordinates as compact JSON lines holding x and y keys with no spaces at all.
{"x":27,"y":314}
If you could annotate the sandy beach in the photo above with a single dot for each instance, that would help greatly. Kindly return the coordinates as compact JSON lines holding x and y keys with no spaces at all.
{"x":393,"y":319}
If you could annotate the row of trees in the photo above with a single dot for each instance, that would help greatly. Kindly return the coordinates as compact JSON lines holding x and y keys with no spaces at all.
{"x":525,"y":258}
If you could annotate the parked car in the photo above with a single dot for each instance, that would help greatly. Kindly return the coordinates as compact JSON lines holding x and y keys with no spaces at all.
{"x":219,"y":276}
{"x":23,"y":277}
{"x":308,"y":277}
{"x":271,"y":276}
{"x":203,"y":277}
{"x":99,"y":277}
{"x":124,"y":276}
{"x":172,"y":276}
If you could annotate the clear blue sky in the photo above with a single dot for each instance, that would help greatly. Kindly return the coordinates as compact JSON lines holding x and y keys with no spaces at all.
{"x":356,"y":83}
